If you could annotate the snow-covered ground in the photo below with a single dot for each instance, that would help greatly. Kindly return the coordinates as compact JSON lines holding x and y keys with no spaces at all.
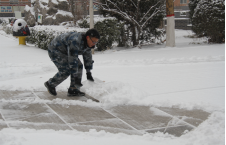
{"x":187,"y":76}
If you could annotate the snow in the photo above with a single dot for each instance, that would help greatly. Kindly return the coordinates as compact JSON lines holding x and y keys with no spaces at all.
{"x":97,"y":18}
{"x":64,"y":13}
{"x":55,"y":2}
{"x":190,"y":76}
{"x":45,"y":1}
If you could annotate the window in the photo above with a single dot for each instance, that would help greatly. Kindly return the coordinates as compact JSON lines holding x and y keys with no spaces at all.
{"x":183,"y":13}
{"x":183,"y":1}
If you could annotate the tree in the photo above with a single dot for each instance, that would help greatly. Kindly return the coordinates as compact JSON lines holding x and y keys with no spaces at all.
{"x":78,"y":9}
{"x":137,"y":14}
{"x":209,"y":20}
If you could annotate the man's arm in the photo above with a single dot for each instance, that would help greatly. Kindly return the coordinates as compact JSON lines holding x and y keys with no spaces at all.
{"x":88,"y":63}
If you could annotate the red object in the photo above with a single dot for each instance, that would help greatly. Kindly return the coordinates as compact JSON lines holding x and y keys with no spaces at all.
{"x":170,"y":15}
{"x":24,"y":32}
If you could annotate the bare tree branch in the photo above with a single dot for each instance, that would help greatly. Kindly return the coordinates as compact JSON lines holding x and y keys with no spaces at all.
{"x":149,"y":11}
{"x":157,"y":10}
{"x":133,"y":3}
{"x":120,"y":12}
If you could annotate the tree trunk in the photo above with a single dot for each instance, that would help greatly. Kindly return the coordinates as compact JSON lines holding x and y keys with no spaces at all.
{"x":136,"y":35}
{"x":122,"y":40}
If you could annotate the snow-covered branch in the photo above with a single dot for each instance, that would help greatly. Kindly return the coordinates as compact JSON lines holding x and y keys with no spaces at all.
{"x":133,"y":3}
{"x":157,"y":10}
{"x":149,"y":11}
{"x":119,"y":12}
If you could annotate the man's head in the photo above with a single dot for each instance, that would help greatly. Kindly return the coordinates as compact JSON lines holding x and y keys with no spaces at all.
{"x":92,"y":37}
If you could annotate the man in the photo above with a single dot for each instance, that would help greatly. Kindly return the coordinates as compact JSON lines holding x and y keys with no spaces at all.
{"x":64,"y":51}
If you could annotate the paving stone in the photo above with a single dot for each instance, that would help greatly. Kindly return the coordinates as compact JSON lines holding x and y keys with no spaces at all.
{"x":25,"y":115}
{"x":173,"y":130}
{"x":61,"y":95}
{"x":85,"y":118}
{"x":86,"y":128}
{"x":16,"y":95}
{"x":78,"y":114}
{"x":129,"y":119}
{"x":2,"y":123}
{"x":141,"y":117}
{"x":113,"y":123}
{"x":193,"y":117}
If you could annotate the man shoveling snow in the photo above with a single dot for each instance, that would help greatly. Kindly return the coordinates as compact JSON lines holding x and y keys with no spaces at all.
{"x":64,"y":51}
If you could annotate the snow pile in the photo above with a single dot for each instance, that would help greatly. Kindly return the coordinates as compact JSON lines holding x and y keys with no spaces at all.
{"x":63,"y":13}
{"x":116,"y":93}
{"x":55,"y":2}
{"x":43,"y":6}
{"x":59,"y":29}
{"x":210,"y":132}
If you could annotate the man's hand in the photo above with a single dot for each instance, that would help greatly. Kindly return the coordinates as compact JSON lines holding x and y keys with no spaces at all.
{"x":89,"y":76}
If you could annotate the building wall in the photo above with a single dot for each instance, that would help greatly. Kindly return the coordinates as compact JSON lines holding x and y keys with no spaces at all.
{"x":8,"y":7}
{"x":181,"y":13}
{"x":178,"y":3}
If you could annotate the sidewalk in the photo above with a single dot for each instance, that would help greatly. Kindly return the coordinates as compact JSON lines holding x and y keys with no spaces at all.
{"x":40,"y":110}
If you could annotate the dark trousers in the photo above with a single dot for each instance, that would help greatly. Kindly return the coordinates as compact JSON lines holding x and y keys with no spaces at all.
{"x":62,"y":64}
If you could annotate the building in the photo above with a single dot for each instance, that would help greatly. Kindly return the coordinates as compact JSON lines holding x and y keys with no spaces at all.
{"x":9,"y":7}
{"x":181,"y":15}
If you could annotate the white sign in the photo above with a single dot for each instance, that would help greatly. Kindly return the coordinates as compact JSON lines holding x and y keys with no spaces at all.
{"x":40,"y":18}
{"x":6,"y":9}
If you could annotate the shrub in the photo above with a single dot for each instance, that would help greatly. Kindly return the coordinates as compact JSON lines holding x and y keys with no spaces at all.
{"x":41,"y":39}
{"x":109,"y":30}
{"x":209,"y":20}
{"x":8,"y":29}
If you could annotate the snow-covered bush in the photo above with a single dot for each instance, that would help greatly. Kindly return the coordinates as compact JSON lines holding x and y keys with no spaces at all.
{"x":109,"y":31}
{"x":41,"y":39}
{"x":209,"y":20}
{"x":1,"y":21}
{"x":41,"y":36}
{"x":8,"y":28}
{"x":138,"y":15}
{"x":150,"y":36}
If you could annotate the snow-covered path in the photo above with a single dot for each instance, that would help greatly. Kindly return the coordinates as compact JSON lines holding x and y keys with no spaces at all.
{"x":188,"y":76}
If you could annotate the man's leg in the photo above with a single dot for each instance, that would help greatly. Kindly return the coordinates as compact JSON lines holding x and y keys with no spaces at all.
{"x":76,"y":78}
{"x":61,"y":62}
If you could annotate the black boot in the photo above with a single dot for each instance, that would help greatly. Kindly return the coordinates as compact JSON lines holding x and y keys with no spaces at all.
{"x":89,"y":76}
{"x":50,"y":89}
{"x":74,"y":92}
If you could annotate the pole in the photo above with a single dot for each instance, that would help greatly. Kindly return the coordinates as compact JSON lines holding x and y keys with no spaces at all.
{"x":170,"y":30}
{"x":91,"y":25}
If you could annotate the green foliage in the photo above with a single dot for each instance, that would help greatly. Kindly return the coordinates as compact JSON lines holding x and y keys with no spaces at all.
{"x":209,"y":20}
{"x":41,"y":39}
{"x":134,"y":17}
{"x":192,"y":5}
{"x":109,"y":31}
{"x":84,"y":24}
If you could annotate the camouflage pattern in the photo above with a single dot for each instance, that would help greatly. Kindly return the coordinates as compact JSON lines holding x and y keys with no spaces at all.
{"x":64,"y":51}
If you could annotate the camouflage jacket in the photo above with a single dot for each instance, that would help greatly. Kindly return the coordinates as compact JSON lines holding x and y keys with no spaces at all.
{"x":73,"y":44}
